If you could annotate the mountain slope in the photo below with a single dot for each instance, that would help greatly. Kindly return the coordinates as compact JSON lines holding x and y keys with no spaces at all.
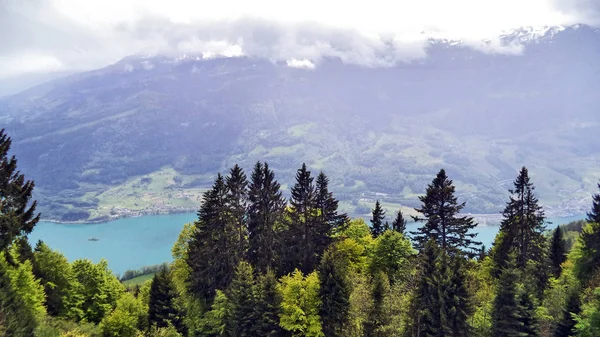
{"x":148,"y":133}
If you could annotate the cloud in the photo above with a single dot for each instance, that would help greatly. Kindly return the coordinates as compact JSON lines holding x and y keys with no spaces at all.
{"x":49,"y":35}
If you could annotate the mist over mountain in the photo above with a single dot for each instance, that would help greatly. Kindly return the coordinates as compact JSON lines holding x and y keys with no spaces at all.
{"x":378,"y":132}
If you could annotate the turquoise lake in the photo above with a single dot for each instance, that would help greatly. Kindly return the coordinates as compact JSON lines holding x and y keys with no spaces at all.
{"x":131,"y":243}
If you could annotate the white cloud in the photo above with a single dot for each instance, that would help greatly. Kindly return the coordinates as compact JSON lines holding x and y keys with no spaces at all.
{"x":303,"y":64}
{"x":82,"y":34}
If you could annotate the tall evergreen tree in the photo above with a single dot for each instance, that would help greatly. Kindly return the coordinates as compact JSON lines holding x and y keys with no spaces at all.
{"x":439,"y":212}
{"x":17,"y":216}
{"x":265,"y":213}
{"x":378,"y":317}
{"x":17,"y":318}
{"x":329,"y":221}
{"x":566,"y":325}
{"x":594,"y":214}
{"x":162,"y":310}
{"x":267,"y":307}
{"x":302,"y":237}
{"x":527,"y":316}
{"x":210,"y":255}
{"x":428,"y":318}
{"x":237,"y":202}
{"x":522,"y":231}
{"x":457,"y":303}
{"x":399,"y":224}
{"x":558,"y":251}
{"x":378,"y":226}
{"x":506,"y":321}
{"x":241,"y":300}
{"x":334,"y":293}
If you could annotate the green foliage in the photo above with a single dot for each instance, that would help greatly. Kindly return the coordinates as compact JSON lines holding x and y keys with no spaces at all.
{"x":240,"y":294}
{"x":24,"y":284}
{"x":439,"y":210}
{"x":300,"y":305}
{"x":236,"y":202}
{"x":267,"y":307}
{"x":17,"y":216}
{"x":17,"y":317}
{"x":594,"y":214}
{"x":214,"y":323}
{"x":100,"y":288}
{"x":558,"y":251}
{"x":506,"y":321}
{"x":392,"y":254}
{"x":126,"y":319}
{"x":588,"y":322}
{"x":586,"y":252}
{"x":399,"y":224}
{"x":162,"y":308}
{"x":334,"y":292}
{"x":378,"y":226}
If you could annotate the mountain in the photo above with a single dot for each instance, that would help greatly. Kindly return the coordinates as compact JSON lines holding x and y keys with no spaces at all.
{"x":148,"y":133}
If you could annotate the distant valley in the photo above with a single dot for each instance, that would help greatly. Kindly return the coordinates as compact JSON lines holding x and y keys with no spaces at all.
{"x":146,"y":134}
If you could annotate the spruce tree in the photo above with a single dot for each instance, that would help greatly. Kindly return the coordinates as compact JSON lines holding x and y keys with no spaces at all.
{"x":457,"y":303}
{"x":594,"y":214}
{"x":334,"y":293}
{"x":210,"y":258}
{"x":241,"y":300}
{"x":162,"y":310}
{"x":377,"y":221}
{"x":526,"y":312}
{"x":558,"y":251}
{"x":267,"y":307}
{"x":506,"y":321}
{"x":265,"y":212}
{"x":428,"y":318}
{"x":17,"y":215}
{"x":378,"y":317}
{"x":439,"y":211}
{"x":399,"y":224}
{"x":301,"y":237}
{"x":328,"y":221}
{"x":566,"y":325}
{"x":237,"y":202}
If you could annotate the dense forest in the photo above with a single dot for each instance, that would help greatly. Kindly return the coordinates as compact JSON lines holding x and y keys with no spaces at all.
{"x":256,"y":264}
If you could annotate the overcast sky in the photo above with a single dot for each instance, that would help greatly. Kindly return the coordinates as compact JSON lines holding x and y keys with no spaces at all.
{"x":63,"y":35}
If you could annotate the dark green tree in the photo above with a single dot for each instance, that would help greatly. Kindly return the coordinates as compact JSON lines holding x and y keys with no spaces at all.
{"x":457,"y":303}
{"x":241,"y":301}
{"x":334,"y":292}
{"x":378,"y":316}
{"x":162,"y":307}
{"x":237,"y":203}
{"x":566,"y":325}
{"x":267,"y":307}
{"x":23,"y":249}
{"x":594,"y":214}
{"x":265,"y":212}
{"x":17,"y":215}
{"x":429,"y":322}
{"x":506,"y":321}
{"x":210,"y":257}
{"x":439,"y":213}
{"x":527,"y":316}
{"x":558,"y":251}
{"x":300,"y":240}
{"x":399,"y":224}
{"x":378,"y":226}
{"x":328,"y":221}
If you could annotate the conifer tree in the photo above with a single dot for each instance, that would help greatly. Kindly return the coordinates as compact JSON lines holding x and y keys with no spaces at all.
{"x":162,"y":310}
{"x":558,"y":251}
{"x":17,"y":318}
{"x":399,"y":224}
{"x":265,"y":212}
{"x":237,"y":202}
{"x":210,"y":257}
{"x":378,"y":318}
{"x":17,"y":216}
{"x":267,"y":307}
{"x":241,"y":300}
{"x":301,"y":237}
{"x":457,"y":303}
{"x":506,"y":321}
{"x":566,"y":325}
{"x":334,"y":292}
{"x":594,"y":214}
{"x":377,"y":221}
{"x":329,"y":221}
{"x":428,"y":318}
{"x":439,"y":211}
{"x":526,"y":312}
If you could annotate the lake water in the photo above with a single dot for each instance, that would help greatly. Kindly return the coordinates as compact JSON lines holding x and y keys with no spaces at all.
{"x":135,"y":242}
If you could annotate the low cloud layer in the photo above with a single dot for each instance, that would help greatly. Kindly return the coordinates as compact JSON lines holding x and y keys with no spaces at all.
{"x":63,"y":35}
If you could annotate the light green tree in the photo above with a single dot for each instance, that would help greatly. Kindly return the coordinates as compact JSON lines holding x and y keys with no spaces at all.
{"x":300,"y":305}
{"x":126,"y":319}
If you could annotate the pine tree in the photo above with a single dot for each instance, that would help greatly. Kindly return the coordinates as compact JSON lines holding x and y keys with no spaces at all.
{"x":301,"y":237}
{"x":267,"y":307}
{"x":265,"y":212}
{"x":377,"y":224}
{"x":566,"y":325}
{"x":594,"y":214}
{"x":558,"y":251}
{"x":241,"y":300}
{"x":162,"y":310}
{"x":329,"y":221}
{"x":237,"y":202}
{"x":399,"y":224}
{"x":17,"y":217}
{"x":428,"y":318}
{"x":210,"y":257}
{"x":457,"y":303}
{"x":527,"y":316}
{"x":334,"y":293}
{"x":441,"y":221}
{"x":506,"y":321}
